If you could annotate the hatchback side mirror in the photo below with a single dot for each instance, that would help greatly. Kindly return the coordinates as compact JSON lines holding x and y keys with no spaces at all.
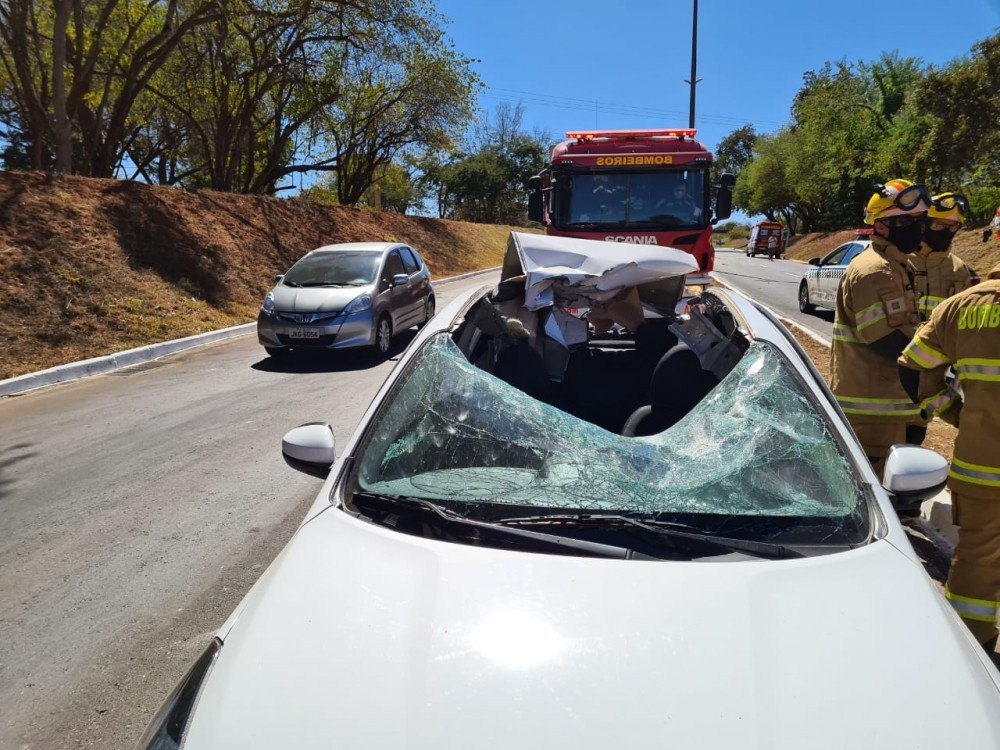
{"x":814,"y":262}
{"x":278,"y":277}
{"x":309,"y":448}
{"x":400,"y":279}
{"x":914,"y":474}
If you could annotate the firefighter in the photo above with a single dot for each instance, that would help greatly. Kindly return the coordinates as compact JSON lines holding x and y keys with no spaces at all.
{"x":876,"y":318}
{"x":964,"y":333}
{"x":937,"y":273}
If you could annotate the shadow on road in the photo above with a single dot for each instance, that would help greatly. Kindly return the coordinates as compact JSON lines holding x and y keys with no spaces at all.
{"x":935,"y":560}
{"x":826,"y":315}
{"x":9,"y":456}
{"x":348,"y":360}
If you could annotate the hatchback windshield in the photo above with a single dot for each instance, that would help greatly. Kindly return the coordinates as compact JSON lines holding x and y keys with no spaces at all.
{"x":755,"y":449}
{"x":334,"y":269}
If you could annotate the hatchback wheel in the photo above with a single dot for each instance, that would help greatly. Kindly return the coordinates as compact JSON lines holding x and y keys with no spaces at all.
{"x":428,"y":311}
{"x":278,"y":352}
{"x":804,"y":304}
{"x":383,"y":335}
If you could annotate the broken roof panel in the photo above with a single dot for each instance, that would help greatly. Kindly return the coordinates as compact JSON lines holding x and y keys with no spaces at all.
{"x":570,"y":267}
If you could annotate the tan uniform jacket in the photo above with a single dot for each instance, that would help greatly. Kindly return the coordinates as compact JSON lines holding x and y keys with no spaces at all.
{"x":964,"y":332}
{"x":875,"y":298}
{"x":936,"y":277}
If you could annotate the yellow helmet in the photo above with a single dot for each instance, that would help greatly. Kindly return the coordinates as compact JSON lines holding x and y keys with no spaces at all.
{"x":949,"y":207}
{"x":896,"y":198}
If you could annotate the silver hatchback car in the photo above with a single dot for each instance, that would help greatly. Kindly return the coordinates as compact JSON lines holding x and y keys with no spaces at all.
{"x":346,"y":296}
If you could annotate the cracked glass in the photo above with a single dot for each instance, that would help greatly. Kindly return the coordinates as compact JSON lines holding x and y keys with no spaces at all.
{"x":756,"y":446}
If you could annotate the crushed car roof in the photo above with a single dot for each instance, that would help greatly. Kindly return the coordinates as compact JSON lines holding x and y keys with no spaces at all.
{"x":595,"y":269}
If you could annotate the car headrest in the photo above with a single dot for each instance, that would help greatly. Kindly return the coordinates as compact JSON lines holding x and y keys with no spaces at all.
{"x":679,"y":381}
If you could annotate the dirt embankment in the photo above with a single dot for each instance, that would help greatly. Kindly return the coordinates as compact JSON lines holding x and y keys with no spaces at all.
{"x":968,"y":245}
{"x":89,"y":267}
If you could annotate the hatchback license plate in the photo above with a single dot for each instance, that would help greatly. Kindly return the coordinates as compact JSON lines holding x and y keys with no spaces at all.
{"x":303,"y":333}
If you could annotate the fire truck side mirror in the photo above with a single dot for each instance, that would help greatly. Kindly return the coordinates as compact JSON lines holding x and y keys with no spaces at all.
{"x":535,"y":212}
{"x":723,"y":203}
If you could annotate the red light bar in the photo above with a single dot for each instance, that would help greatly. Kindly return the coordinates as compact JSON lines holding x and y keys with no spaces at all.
{"x":589,"y":135}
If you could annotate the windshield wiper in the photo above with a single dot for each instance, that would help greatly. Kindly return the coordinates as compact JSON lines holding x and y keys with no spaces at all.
{"x":665,"y":531}
{"x":290,"y":283}
{"x":389,"y":504}
{"x":321,"y":283}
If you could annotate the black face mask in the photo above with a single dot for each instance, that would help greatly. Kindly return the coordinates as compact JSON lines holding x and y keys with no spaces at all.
{"x":906,"y":238}
{"x":939,"y":240}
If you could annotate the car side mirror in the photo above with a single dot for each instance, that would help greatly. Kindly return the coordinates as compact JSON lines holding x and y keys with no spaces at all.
{"x":278,"y":277}
{"x":914,"y":474}
{"x":309,"y":448}
{"x":400,"y":279}
{"x":815,"y":262}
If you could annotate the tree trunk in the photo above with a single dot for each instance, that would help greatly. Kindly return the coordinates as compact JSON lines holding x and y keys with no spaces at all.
{"x":62,"y":129}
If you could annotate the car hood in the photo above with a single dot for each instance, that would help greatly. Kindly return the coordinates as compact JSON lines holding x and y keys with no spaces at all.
{"x":362,"y":637}
{"x":315,"y":299}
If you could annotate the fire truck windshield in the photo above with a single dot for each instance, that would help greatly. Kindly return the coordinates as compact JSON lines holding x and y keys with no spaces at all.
{"x":638,"y":199}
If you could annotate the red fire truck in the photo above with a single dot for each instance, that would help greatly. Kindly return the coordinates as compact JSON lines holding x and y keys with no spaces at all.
{"x":650,"y":187}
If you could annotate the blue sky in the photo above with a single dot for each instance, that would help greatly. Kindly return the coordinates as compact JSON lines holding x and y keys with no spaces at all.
{"x":628,"y":60}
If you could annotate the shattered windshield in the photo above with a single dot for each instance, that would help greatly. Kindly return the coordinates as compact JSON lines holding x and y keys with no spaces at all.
{"x":756,"y":446}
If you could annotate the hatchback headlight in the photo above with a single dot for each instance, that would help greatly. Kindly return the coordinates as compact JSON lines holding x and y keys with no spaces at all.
{"x":359,"y":304}
{"x":166,"y":731}
{"x":268,"y":307}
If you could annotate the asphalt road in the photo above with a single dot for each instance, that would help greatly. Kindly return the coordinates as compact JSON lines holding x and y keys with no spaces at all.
{"x":773,"y":283}
{"x":137,"y":508}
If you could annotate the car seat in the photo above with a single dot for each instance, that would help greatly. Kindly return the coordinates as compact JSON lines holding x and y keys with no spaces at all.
{"x":678,"y":384}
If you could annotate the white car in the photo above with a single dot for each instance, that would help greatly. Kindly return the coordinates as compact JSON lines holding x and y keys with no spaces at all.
{"x":716,"y":567}
{"x":819,"y":285}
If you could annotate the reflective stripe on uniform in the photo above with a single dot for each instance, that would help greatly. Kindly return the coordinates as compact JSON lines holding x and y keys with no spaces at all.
{"x":870,"y":316}
{"x":846,"y":334}
{"x":978,"y":369}
{"x":986,"y":476}
{"x":923,"y":355}
{"x":882,"y":407}
{"x":939,"y":402}
{"x":929,"y":302}
{"x":982,"y":610}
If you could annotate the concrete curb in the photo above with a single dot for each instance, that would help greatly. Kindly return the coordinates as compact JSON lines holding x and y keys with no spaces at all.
{"x":100,"y":365}
{"x":469,"y":275}
{"x":130,"y":357}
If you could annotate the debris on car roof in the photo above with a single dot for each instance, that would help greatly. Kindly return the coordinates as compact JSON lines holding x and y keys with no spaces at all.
{"x":571,"y":269}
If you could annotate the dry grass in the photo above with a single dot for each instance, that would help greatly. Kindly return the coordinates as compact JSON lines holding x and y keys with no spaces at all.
{"x":940,"y":435}
{"x":90,"y":267}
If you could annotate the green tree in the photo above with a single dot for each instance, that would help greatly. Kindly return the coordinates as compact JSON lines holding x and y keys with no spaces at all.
{"x":734,"y":151}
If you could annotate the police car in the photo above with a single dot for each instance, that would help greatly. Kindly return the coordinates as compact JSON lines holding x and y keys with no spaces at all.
{"x":819,"y":284}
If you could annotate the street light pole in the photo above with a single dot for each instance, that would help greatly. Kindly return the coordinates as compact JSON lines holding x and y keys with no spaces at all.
{"x":694,"y":63}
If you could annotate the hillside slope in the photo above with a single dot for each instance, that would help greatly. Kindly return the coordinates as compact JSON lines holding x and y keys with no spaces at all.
{"x":90,"y":267}
{"x":968,"y":245}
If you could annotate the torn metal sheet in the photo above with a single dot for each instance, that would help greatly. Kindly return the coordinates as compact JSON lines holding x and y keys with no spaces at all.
{"x":563,"y":270}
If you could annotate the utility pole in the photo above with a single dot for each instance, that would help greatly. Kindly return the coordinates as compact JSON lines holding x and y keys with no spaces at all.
{"x":694,"y":80}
